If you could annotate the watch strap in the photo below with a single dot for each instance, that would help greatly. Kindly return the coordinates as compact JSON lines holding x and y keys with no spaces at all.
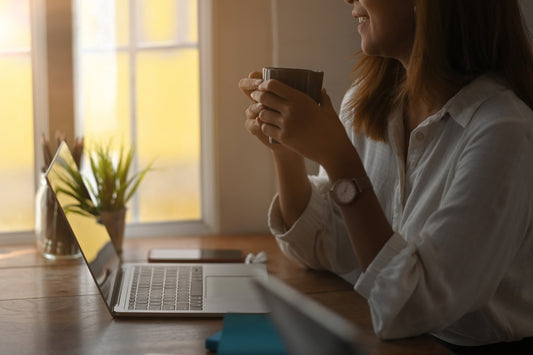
{"x":362,"y":183}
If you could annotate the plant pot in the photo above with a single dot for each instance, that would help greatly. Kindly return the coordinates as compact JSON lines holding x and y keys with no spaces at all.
{"x":115,"y":223}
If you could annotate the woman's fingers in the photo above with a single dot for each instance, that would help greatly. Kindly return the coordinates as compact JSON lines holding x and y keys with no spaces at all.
{"x":255,"y":127}
{"x":255,"y":75}
{"x":271,"y":117}
{"x":251,"y":83}
{"x":282,"y":90}
{"x":253,"y":110}
{"x":257,"y":116}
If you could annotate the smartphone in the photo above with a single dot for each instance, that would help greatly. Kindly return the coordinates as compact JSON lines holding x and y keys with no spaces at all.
{"x":196,"y":256}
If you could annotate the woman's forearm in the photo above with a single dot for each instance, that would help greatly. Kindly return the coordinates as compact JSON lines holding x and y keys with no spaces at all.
{"x":365,"y":221}
{"x":293,"y":185}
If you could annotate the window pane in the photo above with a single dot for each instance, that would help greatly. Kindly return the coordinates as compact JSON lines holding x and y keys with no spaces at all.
{"x":167,"y":21}
{"x":14,"y":25}
{"x":169,"y":129}
{"x":103,"y":23}
{"x":104,"y":97}
{"x":157,"y":20}
{"x":16,"y":118}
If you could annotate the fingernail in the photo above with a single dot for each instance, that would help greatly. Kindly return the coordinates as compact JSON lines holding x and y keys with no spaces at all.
{"x":258,"y":81}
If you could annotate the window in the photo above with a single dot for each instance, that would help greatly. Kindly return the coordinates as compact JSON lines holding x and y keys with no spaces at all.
{"x":136,"y":80}
{"x":16,"y":117}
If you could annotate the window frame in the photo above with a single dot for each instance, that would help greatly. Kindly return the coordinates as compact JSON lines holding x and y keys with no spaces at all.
{"x":43,"y":16}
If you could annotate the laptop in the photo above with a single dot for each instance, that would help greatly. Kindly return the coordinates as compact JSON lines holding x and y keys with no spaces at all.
{"x":148,"y":289}
{"x":305,"y":326}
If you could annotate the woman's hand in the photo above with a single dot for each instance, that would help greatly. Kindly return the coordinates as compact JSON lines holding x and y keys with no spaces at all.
{"x":295,"y":120}
{"x":253,"y":122}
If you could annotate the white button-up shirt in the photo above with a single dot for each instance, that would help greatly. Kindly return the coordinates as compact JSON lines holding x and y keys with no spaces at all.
{"x":460,"y":262}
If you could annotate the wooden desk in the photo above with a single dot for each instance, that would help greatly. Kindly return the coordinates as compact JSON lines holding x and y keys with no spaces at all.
{"x":54,"y":307}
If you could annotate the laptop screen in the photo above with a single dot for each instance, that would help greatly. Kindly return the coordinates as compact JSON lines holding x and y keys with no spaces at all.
{"x":300,"y":321}
{"x":92,"y":236}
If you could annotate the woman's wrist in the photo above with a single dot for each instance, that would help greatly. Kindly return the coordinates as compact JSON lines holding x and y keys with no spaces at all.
{"x":286,"y":156}
{"x":344,"y":162}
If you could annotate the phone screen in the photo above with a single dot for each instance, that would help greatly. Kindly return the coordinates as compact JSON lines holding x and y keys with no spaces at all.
{"x":196,"y":255}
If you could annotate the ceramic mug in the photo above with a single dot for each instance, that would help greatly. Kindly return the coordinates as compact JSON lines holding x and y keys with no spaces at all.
{"x":307,"y":81}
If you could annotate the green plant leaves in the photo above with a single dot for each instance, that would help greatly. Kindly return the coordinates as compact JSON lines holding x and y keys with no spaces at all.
{"x":113,"y":187}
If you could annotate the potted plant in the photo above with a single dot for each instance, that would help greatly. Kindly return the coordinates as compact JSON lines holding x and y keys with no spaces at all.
{"x":107,"y":194}
{"x":53,"y":237}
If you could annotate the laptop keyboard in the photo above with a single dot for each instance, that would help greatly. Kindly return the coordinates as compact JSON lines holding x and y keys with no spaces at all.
{"x":176,"y":287}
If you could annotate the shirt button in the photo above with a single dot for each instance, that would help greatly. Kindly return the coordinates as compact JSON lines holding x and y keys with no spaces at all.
{"x":419,"y":136}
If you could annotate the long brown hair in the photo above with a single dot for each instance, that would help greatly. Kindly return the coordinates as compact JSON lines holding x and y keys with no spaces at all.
{"x":455,"y":41}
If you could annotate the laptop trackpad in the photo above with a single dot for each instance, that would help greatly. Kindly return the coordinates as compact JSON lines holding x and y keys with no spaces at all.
{"x":229,"y":287}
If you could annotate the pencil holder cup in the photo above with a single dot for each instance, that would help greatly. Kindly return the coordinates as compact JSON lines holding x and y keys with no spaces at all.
{"x":54,"y":240}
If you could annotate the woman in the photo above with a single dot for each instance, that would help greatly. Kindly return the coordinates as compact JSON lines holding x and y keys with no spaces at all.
{"x":424,"y":197}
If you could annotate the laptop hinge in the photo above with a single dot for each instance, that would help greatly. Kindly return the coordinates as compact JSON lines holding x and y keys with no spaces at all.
{"x":116,"y":288}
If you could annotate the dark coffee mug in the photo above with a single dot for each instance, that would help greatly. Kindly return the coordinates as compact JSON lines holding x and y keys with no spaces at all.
{"x":307,"y":81}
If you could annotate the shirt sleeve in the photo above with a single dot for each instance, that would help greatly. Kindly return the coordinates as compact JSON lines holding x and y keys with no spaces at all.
{"x":428,"y":282}
{"x":318,"y":239}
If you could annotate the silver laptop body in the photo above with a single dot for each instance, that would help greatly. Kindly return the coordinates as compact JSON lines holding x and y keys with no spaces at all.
{"x":181,"y":290}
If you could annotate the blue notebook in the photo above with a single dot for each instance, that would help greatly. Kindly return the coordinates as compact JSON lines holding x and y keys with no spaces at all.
{"x":246,"y":334}
{"x":212,"y":342}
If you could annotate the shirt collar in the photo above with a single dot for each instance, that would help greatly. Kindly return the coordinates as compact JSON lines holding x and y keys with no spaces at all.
{"x":461,"y":107}
{"x":466,"y":102}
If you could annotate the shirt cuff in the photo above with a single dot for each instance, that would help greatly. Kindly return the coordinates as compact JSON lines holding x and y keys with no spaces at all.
{"x":307,"y":224}
{"x":275,"y":221}
{"x":367,"y":279}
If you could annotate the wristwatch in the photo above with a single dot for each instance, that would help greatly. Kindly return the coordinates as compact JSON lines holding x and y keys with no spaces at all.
{"x":345,"y":191}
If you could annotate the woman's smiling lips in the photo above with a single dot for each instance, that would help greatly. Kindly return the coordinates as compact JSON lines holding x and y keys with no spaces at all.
{"x":360,"y":17}
{"x":361,"y":20}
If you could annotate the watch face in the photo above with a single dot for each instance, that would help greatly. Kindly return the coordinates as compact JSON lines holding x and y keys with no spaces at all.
{"x":344,"y":191}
